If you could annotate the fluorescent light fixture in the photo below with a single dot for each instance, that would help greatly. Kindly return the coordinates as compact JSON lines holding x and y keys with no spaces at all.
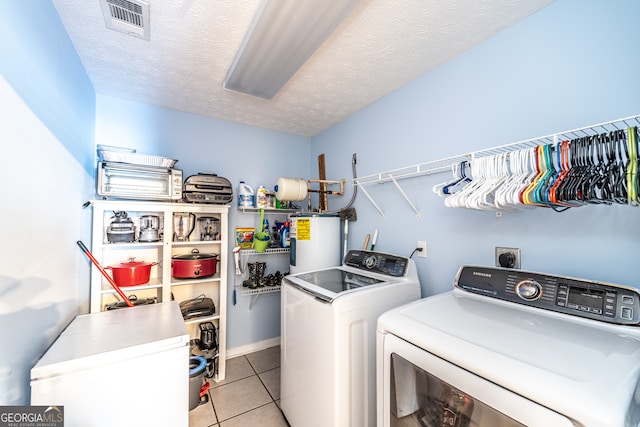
{"x":283,"y":36}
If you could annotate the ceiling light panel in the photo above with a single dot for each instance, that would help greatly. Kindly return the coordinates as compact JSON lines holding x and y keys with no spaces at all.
{"x":283,"y":35}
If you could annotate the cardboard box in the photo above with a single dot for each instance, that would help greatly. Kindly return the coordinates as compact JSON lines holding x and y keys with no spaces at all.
{"x":244,"y":237}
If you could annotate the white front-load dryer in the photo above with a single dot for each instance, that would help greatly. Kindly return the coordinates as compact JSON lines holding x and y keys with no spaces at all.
{"x":512,"y":348}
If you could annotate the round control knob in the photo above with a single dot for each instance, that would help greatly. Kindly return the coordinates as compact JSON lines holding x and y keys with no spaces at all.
{"x":370,"y":261}
{"x":529,"y":290}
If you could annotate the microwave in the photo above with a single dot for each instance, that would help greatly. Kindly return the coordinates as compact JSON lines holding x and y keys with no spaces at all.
{"x":130,"y":181}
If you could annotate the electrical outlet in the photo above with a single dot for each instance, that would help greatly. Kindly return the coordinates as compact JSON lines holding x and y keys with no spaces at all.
{"x":507,"y":257}
{"x":422,"y":244}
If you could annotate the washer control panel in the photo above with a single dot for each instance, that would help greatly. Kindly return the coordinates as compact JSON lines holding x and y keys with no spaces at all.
{"x":378,"y":262}
{"x":594,"y":300}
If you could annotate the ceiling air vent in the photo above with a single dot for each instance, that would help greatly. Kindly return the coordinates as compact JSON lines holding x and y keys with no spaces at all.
{"x":127,"y":16}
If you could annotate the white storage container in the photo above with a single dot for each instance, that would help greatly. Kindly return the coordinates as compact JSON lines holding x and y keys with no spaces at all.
{"x":123,"y":367}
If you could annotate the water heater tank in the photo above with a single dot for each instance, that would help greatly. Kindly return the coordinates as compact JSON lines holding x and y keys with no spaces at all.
{"x":315,"y":242}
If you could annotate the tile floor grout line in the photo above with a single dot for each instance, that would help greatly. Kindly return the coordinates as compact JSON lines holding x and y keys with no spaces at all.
{"x":215,"y":413}
{"x":257,"y":374}
{"x":265,"y":387}
{"x":251,"y":364}
{"x":237,"y":379}
{"x":246,"y":412}
{"x":252,"y":409}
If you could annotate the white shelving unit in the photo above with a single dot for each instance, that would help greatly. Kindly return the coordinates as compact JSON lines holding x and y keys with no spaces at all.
{"x":162,"y":285}
{"x":245,"y":254}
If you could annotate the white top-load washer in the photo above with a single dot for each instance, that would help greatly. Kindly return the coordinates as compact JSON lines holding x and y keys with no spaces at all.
{"x":512,"y":348}
{"x":328,"y":337}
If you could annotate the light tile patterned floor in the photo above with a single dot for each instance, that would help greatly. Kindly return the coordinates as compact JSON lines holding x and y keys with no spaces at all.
{"x":249,"y":395}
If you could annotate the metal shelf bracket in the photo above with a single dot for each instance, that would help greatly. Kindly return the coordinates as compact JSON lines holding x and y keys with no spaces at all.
{"x":366,"y":193}
{"x":405,"y":196}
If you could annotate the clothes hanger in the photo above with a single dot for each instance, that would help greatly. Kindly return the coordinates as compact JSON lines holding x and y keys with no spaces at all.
{"x":455,"y":172}
{"x":528,"y":173}
{"x":462,"y":179}
{"x":632,"y":170}
{"x":528,"y":196}
{"x":539,"y":193}
{"x":620,"y":191}
{"x":573,"y":192}
{"x":555,"y":192}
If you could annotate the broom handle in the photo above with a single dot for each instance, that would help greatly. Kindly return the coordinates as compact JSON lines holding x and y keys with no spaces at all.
{"x":104,"y":273}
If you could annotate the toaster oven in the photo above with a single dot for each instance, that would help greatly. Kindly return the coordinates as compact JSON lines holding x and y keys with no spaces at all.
{"x":129,"y":181}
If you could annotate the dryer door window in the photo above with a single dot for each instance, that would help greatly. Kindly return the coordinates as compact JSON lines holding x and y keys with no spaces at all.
{"x":419,"y":389}
{"x":420,"y":399}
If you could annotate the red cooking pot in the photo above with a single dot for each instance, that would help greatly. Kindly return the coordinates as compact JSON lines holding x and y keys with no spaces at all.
{"x":131,"y":273}
{"x":193,"y":265}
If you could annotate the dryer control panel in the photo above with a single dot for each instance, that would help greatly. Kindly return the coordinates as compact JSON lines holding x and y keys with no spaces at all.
{"x":594,"y":300}
{"x":378,"y":262}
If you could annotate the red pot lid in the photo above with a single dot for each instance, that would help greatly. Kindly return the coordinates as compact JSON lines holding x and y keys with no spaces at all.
{"x":132,"y":263}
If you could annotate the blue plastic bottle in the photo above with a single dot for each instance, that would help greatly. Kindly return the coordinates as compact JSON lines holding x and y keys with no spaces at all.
{"x":286,"y":241}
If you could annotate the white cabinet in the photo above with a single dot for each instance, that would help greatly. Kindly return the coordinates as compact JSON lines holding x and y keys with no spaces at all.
{"x":162,"y":285}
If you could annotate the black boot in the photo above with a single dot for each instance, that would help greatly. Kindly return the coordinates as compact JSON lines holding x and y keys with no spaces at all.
{"x":261,"y":267}
{"x":252,"y":281}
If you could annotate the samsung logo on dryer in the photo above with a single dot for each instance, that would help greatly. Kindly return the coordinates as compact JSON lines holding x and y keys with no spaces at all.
{"x":479,"y":273}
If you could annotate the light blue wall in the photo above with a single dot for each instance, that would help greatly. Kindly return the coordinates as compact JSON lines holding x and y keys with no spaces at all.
{"x":570,"y":65}
{"x":41,"y":64}
{"x":47,"y":110}
{"x":234,"y":151}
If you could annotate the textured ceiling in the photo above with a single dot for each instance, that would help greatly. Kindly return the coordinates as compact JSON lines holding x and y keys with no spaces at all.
{"x":381,"y":46}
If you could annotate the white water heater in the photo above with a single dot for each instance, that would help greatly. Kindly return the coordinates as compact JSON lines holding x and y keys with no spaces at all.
{"x":315,"y":241}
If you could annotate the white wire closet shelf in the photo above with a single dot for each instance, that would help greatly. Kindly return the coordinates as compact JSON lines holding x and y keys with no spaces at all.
{"x":256,"y":292}
{"x":447,"y":164}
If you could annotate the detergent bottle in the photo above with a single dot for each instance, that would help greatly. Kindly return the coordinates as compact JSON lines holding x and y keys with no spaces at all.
{"x":245,"y":196}
{"x":286,"y":240}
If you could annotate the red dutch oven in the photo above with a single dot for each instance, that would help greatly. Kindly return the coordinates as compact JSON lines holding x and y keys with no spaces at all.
{"x":193,"y":265}
{"x":131,"y":273}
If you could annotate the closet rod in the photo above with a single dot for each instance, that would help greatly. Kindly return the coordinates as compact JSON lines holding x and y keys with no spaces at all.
{"x":428,"y":168}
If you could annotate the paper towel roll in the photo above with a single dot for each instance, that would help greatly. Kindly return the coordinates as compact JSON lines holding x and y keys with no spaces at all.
{"x":291,"y":189}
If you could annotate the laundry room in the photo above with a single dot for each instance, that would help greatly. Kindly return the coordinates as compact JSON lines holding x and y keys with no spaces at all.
{"x":416,"y":141}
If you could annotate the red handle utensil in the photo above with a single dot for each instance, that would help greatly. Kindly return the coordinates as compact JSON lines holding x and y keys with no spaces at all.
{"x":104,"y":273}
